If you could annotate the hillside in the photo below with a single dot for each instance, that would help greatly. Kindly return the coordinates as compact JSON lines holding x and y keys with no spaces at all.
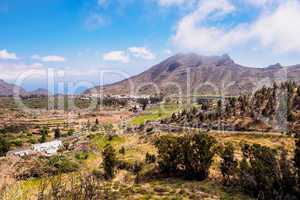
{"x":7,"y":89}
{"x":204,"y":75}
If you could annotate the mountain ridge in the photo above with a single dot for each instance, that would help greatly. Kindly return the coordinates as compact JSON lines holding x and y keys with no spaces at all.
{"x":204,"y":75}
{"x":9,"y":89}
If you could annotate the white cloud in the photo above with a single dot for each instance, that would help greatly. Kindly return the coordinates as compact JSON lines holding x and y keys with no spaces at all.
{"x":278,"y":28}
{"x":5,"y":55}
{"x":191,"y":34}
{"x":11,"y":71}
{"x":118,"y":56}
{"x":125,"y":56}
{"x":51,"y":58}
{"x":141,"y":52}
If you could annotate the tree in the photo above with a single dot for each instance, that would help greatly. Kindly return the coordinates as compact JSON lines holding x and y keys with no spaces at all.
{"x":259,"y":172}
{"x":229,"y":164}
{"x":198,"y":155}
{"x":288,"y":180}
{"x":4,"y":146}
{"x":109,"y":161}
{"x":43,"y":137}
{"x":143,"y":102}
{"x":57,"y":133}
{"x":137,"y":168}
{"x":44,"y":131}
{"x":189,"y":155}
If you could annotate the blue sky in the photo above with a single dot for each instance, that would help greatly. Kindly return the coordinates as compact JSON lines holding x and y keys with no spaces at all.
{"x":81,"y":37}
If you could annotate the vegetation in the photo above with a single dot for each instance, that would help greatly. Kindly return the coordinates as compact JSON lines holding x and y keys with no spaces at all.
{"x":276,"y":106}
{"x":57,"y":133}
{"x":109,"y":161}
{"x":4,"y":146}
{"x":229,"y":164}
{"x":154,"y":113}
{"x":189,"y":155}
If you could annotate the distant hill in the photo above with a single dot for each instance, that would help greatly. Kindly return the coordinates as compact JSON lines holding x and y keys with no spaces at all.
{"x":7,"y":89}
{"x":203,"y":75}
{"x":39,"y":92}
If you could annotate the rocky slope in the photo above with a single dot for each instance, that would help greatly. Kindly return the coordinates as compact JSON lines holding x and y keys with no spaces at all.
{"x":184,"y":74}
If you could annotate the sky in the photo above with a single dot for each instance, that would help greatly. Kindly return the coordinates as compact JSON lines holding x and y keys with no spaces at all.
{"x":91,"y":42}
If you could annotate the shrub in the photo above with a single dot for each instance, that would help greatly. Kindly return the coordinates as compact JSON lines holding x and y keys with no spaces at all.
{"x":190,"y":155}
{"x":98,"y":173}
{"x":287,"y":180}
{"x":150,"y":158}
{"x":32,"y":140}
{"x":121,"y":164}
{"x":17,"y":142}
{"x":261,"y":175}
{"x":122,"y":150}
{"x":70,"y":132}
{"x":136,"y":169}
{"x":109,"y":161}
{"x":57,"y":133}
{"x":4,"y":146}
{"x":94,"y":128}
{"x":228,"y":164}
{"x":61,"y":164}
{"x":43,"y":138}
{"x":81,"y":155}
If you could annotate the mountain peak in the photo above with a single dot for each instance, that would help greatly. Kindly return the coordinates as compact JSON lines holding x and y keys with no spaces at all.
{"x":275,"y":66}
{"x":192,"y":59}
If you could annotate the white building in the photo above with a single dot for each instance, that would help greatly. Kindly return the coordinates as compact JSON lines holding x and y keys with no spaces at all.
{"x":48,"y":147}
{"x":21,"y":152}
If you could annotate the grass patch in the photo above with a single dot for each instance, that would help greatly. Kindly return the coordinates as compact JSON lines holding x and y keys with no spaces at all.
{"x":155,"y":113}
{"x":101,"y":141}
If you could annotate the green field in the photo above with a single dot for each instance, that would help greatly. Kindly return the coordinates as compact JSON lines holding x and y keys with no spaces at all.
{"x":155,"y":113}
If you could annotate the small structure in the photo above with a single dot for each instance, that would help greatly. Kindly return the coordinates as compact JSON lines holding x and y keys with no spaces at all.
{"x":21,"y":152}
{"x":48,"y":148}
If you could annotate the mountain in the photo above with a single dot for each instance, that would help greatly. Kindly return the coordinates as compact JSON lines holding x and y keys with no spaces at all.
{"x":39,"y":92}
{"x":203,"y":75}
{"x":7,"y":89}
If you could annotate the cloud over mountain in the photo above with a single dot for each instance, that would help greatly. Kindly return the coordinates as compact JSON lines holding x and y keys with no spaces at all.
{"x":276,"y":28}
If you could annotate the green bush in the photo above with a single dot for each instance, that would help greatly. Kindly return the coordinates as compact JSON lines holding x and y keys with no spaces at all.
{"x":189,"y":155}
{"x":81,"y":155}
{"x":17,"y":142}
{"x":32,"y":140}
{"x":71,"y":132}
{"x":4,"y":146}
{"x":228,"y":164}
{"x":109,"y":161}
{"x":263,"y":176}
{"x":61,"y":164}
